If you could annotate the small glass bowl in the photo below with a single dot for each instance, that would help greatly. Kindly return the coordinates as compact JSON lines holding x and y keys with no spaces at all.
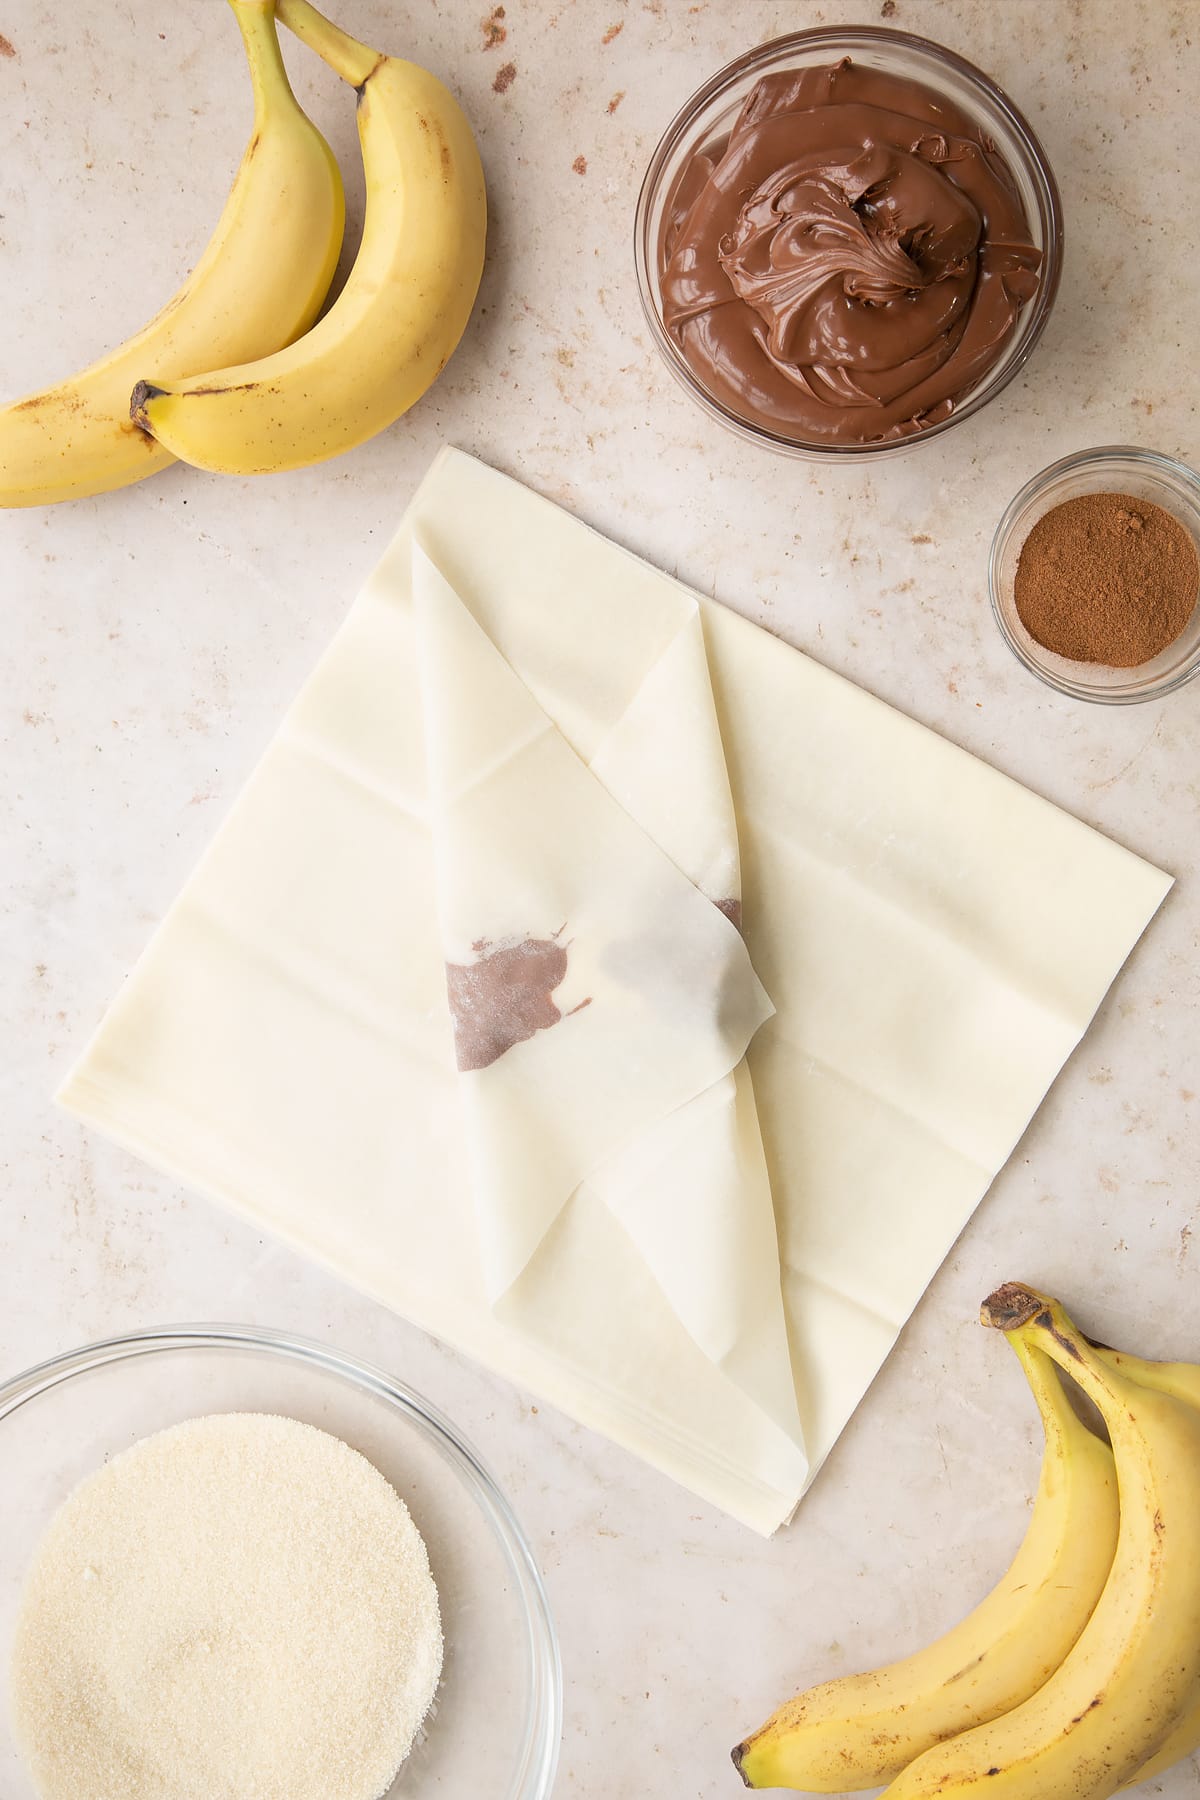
{"x":710,"y":113}
{"x":1113,"y":469}
{"x":494,"y":1729}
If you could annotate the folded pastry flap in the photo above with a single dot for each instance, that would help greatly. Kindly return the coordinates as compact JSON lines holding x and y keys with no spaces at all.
{"x":674,"y":1401}
{"x":627,"y":683}
{"x":664,"y":762}
{"x":581,"y":621}
{"x":601,"y":1002}
{"x":694,"y":1195}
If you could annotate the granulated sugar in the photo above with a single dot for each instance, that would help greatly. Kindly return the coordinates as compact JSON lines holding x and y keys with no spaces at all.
{"x":239,"y":1608}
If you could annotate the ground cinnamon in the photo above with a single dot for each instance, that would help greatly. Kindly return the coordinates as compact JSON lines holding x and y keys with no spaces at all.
{"x":1107,"y":578}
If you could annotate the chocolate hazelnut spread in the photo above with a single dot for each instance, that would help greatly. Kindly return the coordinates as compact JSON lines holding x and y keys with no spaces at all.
{"x":850,"y":261}
{"x":504,"y":997}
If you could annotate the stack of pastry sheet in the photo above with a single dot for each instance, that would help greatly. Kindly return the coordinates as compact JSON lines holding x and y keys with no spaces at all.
{"x":613,"y":991}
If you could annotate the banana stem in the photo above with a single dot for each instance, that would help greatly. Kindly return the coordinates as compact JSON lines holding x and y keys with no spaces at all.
{"x":256,"y":22}
{"x":1026,"y":1316}
{"x":353,"y":61}
{"x":1058,"y":1416}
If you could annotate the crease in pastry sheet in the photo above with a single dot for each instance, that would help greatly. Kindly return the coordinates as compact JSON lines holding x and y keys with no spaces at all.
{"x":243,"y":1054}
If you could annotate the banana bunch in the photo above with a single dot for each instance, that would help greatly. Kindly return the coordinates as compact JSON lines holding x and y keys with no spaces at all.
{"x":237,"y":373}
{"x":1080,"y":1673}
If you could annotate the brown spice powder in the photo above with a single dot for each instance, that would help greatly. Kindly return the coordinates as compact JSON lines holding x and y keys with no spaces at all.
{"x":1107,"y":578}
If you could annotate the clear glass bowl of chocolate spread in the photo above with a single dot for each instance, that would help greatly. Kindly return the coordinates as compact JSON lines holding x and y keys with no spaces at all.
{"x":847,"y":241}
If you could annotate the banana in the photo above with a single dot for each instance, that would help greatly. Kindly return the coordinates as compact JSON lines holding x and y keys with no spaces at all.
{"x":860,"y":1731}
{"x":260,"y":283}
{"x":403,"y":310}
{"x":1135,"y":1670}
{"x":1183,"y":1381}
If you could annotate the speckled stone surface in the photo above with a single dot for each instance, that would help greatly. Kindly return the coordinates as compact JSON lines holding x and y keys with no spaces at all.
{"x":153,"y":638}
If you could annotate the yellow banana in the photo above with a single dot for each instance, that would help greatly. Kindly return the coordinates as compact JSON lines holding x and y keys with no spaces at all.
{"x":860,"y":1731}
{"x":1135,"y":1669}
{"x":405,"y":305}
{"x":259,"y":284}
{"x":1183,"y":1381}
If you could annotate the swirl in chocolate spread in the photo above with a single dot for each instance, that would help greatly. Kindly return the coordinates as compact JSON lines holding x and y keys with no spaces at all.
{"x":850,"y":261}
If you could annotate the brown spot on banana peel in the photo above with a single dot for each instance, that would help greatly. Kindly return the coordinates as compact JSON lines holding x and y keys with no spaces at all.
{"x":236,"y":387}
{"x":53,"y":402}
{"x":967,"y":1668}
{"x":1045,"y":1323}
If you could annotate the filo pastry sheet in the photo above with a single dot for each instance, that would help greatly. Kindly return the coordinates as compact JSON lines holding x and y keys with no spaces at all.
{"x":613,"y":991}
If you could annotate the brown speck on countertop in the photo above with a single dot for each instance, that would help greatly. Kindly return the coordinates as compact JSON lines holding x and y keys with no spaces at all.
{"x":921,"y":537}
{"x":888,"y":9}
{"x":493,"y":28}
{"x":580,"y":165}
{"x":7,"y":49}
{"x":566,"y":357}
{"x":614,"y":31}
{"x":505,"y":77}
{"x":616,"y":101}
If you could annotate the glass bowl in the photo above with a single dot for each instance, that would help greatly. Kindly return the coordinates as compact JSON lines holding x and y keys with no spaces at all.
{"x":496,"y":1720}
{"x":711,"y":112}
{"x":1113,"y":469}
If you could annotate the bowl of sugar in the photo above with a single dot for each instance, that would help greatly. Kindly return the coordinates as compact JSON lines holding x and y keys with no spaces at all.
{"x":231,"y":1553}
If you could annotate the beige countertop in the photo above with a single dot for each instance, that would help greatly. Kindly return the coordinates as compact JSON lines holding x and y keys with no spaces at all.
{"x":154,"y":637}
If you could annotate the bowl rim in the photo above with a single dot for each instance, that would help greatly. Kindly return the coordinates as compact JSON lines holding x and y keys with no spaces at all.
{"x":1099,"y":457}
{"x":833,"y":36}
{"x":533,"y":1778}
